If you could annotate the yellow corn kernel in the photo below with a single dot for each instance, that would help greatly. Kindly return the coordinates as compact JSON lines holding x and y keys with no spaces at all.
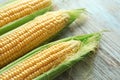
{"x":21,"y":9}
{"x":23,"y":39}
{"x":42,"y":61}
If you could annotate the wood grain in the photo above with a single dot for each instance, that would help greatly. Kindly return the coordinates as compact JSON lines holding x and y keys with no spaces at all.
{"x":101,"y":15}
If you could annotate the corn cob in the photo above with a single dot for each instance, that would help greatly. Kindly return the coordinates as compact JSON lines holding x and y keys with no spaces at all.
{"x":50,"y":60}
{"x":30,"y":35}
{"x":20,"y":10}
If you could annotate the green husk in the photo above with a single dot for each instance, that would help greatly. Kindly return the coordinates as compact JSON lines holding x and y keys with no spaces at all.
{"x":75,"y":13}
{"x":23,"y":20}
{"x":89,"y":43}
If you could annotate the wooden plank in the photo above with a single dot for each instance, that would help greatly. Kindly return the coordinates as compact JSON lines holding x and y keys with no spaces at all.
{"x":101,"y":15}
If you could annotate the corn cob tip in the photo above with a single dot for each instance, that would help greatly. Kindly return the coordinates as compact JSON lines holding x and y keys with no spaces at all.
{"x":76,"y":12}
{"x":75,"y":42}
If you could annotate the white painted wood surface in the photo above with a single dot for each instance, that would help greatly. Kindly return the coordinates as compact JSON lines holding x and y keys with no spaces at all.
{"x":101,"y":15}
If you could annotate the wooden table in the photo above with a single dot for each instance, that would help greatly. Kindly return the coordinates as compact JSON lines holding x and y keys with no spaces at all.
{"x":101,"y":15}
